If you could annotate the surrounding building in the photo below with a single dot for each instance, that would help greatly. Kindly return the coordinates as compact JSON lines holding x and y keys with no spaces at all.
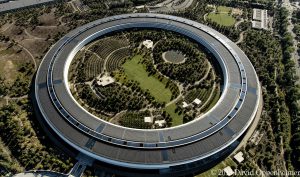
{"x":239,"y":157}
{"x":228,"y":170}
{"x":260,"y":19}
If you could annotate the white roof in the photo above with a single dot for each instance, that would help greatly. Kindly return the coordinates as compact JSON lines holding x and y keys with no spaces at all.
{"x":239,"y":157}
{"x":260,"y":19}
{"x":105,"y":80}
{"x":228,"y":170}
{"x":148,"y":119}
{"x":160,"y":122}
{"x":184,"y":104}
{"x":148,"y":44}
{"x":140,"y":7}
{"x":197,"y":101}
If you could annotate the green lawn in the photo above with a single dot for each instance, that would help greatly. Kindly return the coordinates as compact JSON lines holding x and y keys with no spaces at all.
{"x":222,"y":16}
{"x":223,"y":9}
{"x":137,"y":72}
{"x":176,"y":119}
{"x":222,"y":19}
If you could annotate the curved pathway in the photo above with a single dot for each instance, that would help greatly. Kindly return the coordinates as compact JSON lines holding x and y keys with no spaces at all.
{"x":33,"y":37}
{"x":105,"y":61}
{"x":241,"y":38}
{"x":205,"y":15}
{"x":178,"y":97}
{"x":32,"y":57}
{"x":238,"y":23}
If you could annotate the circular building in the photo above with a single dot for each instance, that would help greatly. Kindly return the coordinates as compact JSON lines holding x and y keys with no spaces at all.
{"x":179,"y":150}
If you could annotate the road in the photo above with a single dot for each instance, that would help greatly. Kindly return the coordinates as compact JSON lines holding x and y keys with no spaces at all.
{"x":295,"y":56}
{"x":171,"y":6}
{"x":14,"y":5}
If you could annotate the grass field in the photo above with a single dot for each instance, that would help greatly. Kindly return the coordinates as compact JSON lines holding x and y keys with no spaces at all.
{"x":222,"y":16}
{"x":137,"y":72}
{"x":223,"y":9}
{"x":176,"y":119}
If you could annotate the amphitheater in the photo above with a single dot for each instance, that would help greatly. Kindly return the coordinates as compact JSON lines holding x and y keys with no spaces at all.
{"x":175,"y":151}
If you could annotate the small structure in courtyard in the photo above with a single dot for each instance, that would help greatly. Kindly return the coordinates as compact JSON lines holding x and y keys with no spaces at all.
{"x":148,"y":120}
{"x":160,"y":123}
{"x":197,"y":101}
{"x":105,"y":80}
{"x":148,"y":44}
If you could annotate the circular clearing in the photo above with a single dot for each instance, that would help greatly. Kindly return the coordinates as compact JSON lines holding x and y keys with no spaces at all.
{"x":173,"y":56}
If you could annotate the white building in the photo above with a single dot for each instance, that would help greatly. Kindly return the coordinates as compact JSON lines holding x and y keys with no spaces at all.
{"x":160,"y":123}
{"x":260,"y":19}
{"x":197,"y":101}
{"x":148,"y":120}
{"x":148,"y":44}
{"x":228,"y":170}
{"x":239,"y":157}
{"x":184,"y":104}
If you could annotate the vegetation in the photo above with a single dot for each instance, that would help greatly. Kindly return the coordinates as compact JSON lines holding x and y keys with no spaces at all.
{"x":135,"y":70}
{"x":7,"y":163}
{"x":116,"y":59}
{"x":135,"y":120}
{"x":198,"y":12}
{"x":222,"y":16}
{"x":112,"y":98}
{"x":192,"y":70}
{"x":270,"y":56}
{"x":272,"y":60}
{"x":177,"y":116}
{"x":291,"y":92}
{"x":139,"y":83}
{"x":222,"y":19}
{"x":21,"y":134}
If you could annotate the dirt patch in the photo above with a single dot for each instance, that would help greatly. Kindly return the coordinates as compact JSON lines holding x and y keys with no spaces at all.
{"x":10,"y":61}
{"x":236,"y":11}
{"x":48,"y":19}
{"x":15,"y":32}
{"x":45,"y":31}
{"x":36,"y":47}
{"x":8,"y":71}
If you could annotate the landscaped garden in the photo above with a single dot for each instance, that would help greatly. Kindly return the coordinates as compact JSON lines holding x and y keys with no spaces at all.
{"x":120,"y":79}
{"x":222,"y":15}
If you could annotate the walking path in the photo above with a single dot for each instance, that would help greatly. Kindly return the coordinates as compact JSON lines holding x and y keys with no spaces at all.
{"x":178,"y":97}
{"x":241,"y":38}
{"x":205,"y":15}
{"x":238,"y":23}
{"x":32,"y":57}
{"x":31,"y":36}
